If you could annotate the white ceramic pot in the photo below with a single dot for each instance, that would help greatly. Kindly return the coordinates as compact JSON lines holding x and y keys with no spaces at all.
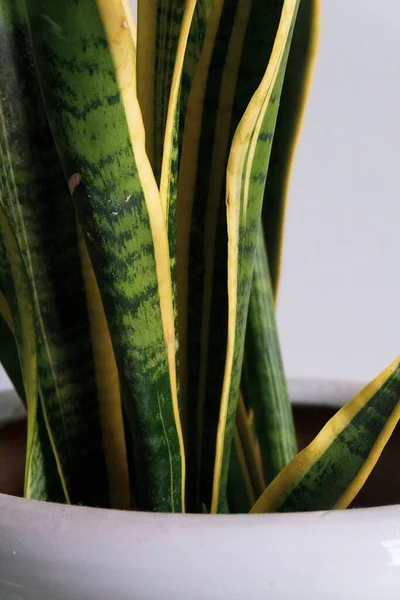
{"x":54,"y":552}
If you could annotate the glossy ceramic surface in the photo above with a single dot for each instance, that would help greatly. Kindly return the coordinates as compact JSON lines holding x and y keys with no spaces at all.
{"x":53,"y":552}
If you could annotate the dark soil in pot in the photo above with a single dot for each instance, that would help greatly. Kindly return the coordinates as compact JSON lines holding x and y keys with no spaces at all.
{"x":382,"y":487}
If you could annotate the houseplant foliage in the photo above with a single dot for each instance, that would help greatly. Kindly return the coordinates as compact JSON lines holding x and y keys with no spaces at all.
{"x":142,"y":188}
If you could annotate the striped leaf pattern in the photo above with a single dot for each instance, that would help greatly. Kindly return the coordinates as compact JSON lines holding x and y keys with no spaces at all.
{"x":263,"y":380}
{"x":236,"y":50}
{"x":37,"y":205}
{"x":293,"y":99}
{"x":143,"y":179}
{"x":159,"y":24}
{"x":43,"y":476}
{"x":247,"y":165}
{"x":22,"y":321}
{"x":176,"y":31}
{"x":89,"y":87}
{"x":330,"y":472}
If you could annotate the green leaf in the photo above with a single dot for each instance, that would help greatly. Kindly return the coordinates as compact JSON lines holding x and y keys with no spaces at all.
{"x":247,"y":168}
{"x":109,"y":391}
{"x":24,"y":321}
{"x":160,"y":28}
{"x":89,"y":89}
{"x":331,"y":471}
{"x":263,"y":376}
{"x":235,"y":53}
{"x":293,"y":100}
{"x":39,"y":210}
{"x":263,"y":380}
{"x":43,"y":477}
{"x":47,"y":484}
{"x":249,"y":444}
{"x":170,"y":39}
{"x":240,"y":487}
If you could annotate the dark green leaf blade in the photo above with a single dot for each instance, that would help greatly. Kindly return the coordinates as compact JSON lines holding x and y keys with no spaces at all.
{"x":263,"y":379}
{"x":332,"y":469}
{"x":38,"y":206}
{"x":294,"y":95}
{"x":118,"y":206}
{"x":246,"y":173}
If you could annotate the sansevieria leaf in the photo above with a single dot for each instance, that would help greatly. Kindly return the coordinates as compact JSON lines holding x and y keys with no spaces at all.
{"x":43,"y":479}
{"x":89,"y":87}
{"x":24,"y":316}
{"x":291,"y":110}
{"x":39,"y":210}
{"x":240,"y":487}
{"x":161,"y":30}
{"x":235,"y":53}
{"x":108,"y":386}
{"x":247,"y":168}
{"x":330,"y":472}
{"x":263,"y":379}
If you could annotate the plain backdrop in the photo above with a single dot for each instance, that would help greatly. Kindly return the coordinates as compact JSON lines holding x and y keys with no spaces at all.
{"x":339,"y":300}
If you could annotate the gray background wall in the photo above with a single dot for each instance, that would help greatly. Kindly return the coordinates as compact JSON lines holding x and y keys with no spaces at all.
{"x":339,"y":301}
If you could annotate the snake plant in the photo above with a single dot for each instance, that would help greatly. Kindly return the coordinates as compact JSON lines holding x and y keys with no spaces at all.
{"x":143,"y":176}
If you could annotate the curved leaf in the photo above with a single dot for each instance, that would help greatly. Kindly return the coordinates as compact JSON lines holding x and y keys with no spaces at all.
{"x":92,"y":106}
{"x":263,"y":380}
{"x":160,"y":27}
{"x":291,"y":110}
{"x":247,"y":168}
{"x":332,"y":469}
{"x":111,"y":417}
{"x":38,"y":206}
{"x":44,"y":477}
{"x":236,"y":49}
{"x":27,"y":348}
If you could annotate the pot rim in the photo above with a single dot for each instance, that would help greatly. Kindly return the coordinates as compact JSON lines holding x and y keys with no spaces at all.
{"x":302,"y":391}
{"x":55,"y":551}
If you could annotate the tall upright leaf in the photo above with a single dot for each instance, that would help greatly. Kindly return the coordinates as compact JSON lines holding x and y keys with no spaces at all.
{"x":294,"y":95}
{"x":263,"y":380}
{"x":235,"y":52}
{"x":88,"y":82}
{"x":111,"y":417}
{"x":240,"y":486}
{"x":159,"y":27}
{"x":38,"y":207}
{"x":23,"y":319}
{"x":247,"y":168}
{"x":170,"y":39}
{"x":170,"y":32}
{"x":330,"y":472}
{"x":263,"y":376}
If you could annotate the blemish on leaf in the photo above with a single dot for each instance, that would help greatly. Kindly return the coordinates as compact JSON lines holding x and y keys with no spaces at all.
{"x":74,"y":182}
